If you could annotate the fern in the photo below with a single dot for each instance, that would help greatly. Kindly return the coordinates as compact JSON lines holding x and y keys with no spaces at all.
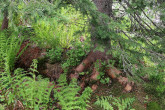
{"x":2,"y":49}
{"x":9,"y":47}
{"x":68,"y":96}
{"x":121,"y":104}
{"x":34,"y":94}
{"x":2,"y":107}
{"x":103,"y":101}
{"x":69,"y":30}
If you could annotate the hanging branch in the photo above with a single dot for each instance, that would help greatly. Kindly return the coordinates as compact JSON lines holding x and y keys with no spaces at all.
{"x":138,"y":15}
{"x":140,"y":18}
{"x":152,"y":52}
{"x":125,"y":61}
{"x":142,"y":26}
{"x":151,"y":20}
{"x":135,"y":18}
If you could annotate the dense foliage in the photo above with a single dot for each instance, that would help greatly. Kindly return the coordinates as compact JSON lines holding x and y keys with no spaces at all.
{"x":133,"y":33}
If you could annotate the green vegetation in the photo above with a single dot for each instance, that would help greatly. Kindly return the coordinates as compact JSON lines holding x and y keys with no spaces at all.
{"x":75,"y":55}
{"x":153,"y":106}
{"x":55,"y":55}
{"x":121,"y":104}
{"x":9,"y":48}
{"x":68,"y":97}
{"x":32,"y":93}
{"x":77,"y":40}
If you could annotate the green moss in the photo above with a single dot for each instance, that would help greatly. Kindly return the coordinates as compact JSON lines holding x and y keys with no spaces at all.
{"x":153,"y":106}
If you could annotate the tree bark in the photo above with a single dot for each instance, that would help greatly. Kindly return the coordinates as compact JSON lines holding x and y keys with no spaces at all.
{"x":5,"y":22}
{"x":104,"y":6}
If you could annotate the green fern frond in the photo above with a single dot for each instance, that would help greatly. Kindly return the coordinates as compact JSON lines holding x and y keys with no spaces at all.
{"x":9,"y":48}
{"x":103,"y":101}
{"x":68,"y":95}
{"x":107,"y":102}
{"x":34,"y":94}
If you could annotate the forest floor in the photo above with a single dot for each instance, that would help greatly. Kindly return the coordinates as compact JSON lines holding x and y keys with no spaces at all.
{"x":116,"y":90}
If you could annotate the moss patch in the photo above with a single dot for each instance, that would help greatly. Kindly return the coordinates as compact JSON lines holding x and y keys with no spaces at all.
{"x":153,"y":106}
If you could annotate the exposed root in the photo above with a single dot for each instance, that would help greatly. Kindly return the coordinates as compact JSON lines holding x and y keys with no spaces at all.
{"x":91,"y":58}
{"x":94,"y":87}
{"x":53,"y":71}
{"x":112,"y":72}
{"x":94,"y":75}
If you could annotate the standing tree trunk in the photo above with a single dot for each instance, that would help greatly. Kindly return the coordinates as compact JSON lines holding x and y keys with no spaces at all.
{"x":104,"y":6}
{"x":5,"y":21}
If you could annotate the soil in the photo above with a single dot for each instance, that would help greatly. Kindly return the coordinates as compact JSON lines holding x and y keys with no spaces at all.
{"x":117,"y":90}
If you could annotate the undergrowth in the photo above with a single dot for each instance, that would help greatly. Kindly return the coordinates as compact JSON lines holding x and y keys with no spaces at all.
{"x":60,"y":32}
{"x":33,"y":92}
{"x":68,"y":97}
{"x":75,"y":55}
{"x":9,"y":47}
{"x":112,"y":103}
{"x":55,"y":55}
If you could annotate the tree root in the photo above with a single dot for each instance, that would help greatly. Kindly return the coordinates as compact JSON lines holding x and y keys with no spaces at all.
{"x":112,"y":72}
